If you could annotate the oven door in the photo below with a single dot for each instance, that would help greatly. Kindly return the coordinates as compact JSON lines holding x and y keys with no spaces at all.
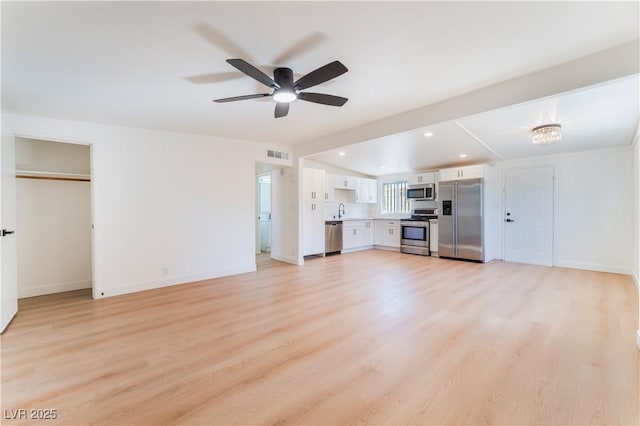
{"x":415,"y":233}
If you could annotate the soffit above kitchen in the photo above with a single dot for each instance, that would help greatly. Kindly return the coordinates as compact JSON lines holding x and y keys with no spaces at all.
{"x":160,"y":64}
{"x":599,"y":117}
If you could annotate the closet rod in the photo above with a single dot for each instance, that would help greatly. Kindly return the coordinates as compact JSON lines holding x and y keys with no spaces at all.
{"x":54,"y":178}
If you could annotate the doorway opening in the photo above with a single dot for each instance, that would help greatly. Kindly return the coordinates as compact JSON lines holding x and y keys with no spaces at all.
{"x":54,"y":218}
{"x":264,"y":214}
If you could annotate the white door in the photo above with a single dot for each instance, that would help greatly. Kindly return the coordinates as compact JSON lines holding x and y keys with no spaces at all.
{"x":528,"y":216}
{"x":8,"y":251}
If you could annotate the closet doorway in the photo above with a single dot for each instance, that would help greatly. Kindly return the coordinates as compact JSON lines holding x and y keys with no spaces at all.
{"x":53,"y":225}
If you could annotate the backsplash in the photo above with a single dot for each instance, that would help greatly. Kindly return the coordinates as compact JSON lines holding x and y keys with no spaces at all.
{"x":351,"y":208}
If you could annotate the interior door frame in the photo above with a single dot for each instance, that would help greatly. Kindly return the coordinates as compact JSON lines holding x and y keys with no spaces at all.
{"x":553,"y":207}
{"x":91,"y":191}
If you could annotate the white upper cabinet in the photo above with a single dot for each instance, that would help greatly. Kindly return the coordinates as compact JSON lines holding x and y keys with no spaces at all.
{"x":459,"y":173}
{"x":367,"y":191}
{"x":422,"y":179}
{"x":313,"y":181}
{"x":344,"y":182}
{"x":329,"y":190}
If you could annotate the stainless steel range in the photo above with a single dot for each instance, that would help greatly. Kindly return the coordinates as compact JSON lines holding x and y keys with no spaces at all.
{"x":415,"y":232}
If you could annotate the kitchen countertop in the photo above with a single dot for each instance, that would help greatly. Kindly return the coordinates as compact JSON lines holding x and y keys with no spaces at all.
{"x":346,"y":219}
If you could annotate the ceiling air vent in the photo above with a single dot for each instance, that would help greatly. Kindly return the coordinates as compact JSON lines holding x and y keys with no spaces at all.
{"x":277,"y":154}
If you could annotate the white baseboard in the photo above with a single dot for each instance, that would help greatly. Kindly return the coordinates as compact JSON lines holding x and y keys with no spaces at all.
{"x":351,"y":250}
{"x":593,"y":267}
{"x":41,"y":290}
{"x":101,"y":292}
{"x":287,"y":259}
{"x":387,"y":248}
{"x":636,"y":281}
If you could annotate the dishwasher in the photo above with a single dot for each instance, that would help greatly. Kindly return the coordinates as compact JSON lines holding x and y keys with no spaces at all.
{"x":332,"y":236}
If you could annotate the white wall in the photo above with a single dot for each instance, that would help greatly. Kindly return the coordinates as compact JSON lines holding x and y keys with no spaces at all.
{"x":592,"y":208}
{"x":53,"y":236}
{"x":39,"y":155}
{"x":168,"y":208}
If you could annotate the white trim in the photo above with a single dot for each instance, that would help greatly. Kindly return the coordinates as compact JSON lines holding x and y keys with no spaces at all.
{"x":638,"y":338}
{"x":636,"y":280}
{"x":41,"y":137}
{"x":636,"y":135}
{"x":53,"y":288}
{"x":593,"y":267}
{"x":354,"y":249}
{"x":480,"y":141}
{"x":286,"y":259}
{"x":166,"y":282}
{"x":387,"y":248}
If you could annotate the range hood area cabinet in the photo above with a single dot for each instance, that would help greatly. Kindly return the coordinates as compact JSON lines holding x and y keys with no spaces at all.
{"x":344,"y":182}
{"x":422,"y":179}
{"x":470,"y":218}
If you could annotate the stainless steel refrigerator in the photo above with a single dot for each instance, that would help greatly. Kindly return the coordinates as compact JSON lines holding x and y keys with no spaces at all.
{"x":460,"y":220}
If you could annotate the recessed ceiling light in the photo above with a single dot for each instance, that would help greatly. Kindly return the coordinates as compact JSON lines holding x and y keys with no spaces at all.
{"x":428,"y":134}
{"x":342,"y":153}
{"x":463,"y":155}
{"x":383,"y":167}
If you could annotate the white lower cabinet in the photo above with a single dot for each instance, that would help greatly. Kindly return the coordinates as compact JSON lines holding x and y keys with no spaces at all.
{"x":353,"y":234}
{"x":313,"y":228}
{"x":387,"y":233}
{"x":357,"y":234}
{"x":368,"y":232}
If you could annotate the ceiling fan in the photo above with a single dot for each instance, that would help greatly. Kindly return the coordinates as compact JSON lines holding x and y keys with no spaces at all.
{"x":285,"y":90}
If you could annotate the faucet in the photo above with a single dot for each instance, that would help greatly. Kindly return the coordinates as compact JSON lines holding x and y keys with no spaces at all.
{"x":340,"y":210}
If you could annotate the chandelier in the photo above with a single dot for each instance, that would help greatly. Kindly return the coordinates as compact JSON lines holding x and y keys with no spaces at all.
{"x":549,"y":133}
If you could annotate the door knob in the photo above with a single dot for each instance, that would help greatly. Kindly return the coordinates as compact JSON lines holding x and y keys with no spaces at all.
{"x":5,"y":232}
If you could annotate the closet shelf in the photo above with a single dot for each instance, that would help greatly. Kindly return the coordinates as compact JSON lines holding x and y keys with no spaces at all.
{"x":33,"y":174}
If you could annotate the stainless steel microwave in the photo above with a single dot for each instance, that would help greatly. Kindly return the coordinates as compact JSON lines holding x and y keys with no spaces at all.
{"x":422,"y":192}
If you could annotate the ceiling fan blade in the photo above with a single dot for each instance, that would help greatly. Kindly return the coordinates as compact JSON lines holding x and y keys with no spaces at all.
{"x":253,"y":72}
{"x":282,"y":109}
{"x":321,"y":98}
{"x":218,"y":39}
{"x":214,"y":77}
{"x":322,"y":74}
{"x":242,"y":98}
{"x":302,"y":46}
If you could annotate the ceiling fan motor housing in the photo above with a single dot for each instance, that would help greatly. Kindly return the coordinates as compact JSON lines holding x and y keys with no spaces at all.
{"x":284,"y":77}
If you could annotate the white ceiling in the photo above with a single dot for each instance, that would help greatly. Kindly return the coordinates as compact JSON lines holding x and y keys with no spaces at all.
{"x":599,"y":117}
{"x":159,"y":64}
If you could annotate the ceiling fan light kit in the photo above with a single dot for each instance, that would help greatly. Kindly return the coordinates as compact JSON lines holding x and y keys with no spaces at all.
{"x":546,"y":134}
{"x":285,"y":90}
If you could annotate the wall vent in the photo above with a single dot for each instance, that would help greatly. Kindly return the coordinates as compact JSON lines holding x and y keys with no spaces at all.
{"x":277,"y":154}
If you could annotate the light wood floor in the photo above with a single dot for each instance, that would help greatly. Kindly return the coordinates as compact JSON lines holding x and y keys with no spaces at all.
{"x":372,"y":337}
